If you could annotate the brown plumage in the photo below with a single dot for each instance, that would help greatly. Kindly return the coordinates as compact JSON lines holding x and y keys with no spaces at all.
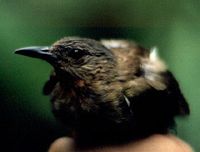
{"x":109,"y":91}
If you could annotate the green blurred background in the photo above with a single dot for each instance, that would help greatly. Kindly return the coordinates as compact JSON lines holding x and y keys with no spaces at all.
{"x":25,"y":118}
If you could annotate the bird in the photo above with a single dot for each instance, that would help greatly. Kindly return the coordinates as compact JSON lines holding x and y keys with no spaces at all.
{"x":109,"y":91}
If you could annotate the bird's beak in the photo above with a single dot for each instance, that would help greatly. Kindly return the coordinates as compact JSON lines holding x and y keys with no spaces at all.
{"x":38,"y":52}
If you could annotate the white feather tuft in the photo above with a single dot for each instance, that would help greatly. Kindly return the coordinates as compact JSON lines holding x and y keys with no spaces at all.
{"x":154,"y":65}
{"x":154,"y":54}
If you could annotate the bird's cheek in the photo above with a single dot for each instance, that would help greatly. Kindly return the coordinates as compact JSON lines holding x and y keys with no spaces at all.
{"x":79,"y":62}
{"x":80,"y":83}
{"x":64,"y":65}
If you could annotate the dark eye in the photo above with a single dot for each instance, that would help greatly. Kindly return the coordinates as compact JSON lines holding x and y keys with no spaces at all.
{"x":76,"y":53}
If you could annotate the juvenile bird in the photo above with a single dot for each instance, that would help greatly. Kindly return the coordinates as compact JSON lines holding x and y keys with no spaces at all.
{"x":109,"y":91}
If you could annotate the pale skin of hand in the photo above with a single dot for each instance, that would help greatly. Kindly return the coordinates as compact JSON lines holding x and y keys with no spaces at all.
{"x":154,"y":143}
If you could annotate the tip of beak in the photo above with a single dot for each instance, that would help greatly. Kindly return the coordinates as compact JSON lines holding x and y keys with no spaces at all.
{"x":19,"y":51}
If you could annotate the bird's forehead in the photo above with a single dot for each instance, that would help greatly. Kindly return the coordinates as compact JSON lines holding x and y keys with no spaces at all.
{"x":80,"y":44}
{"x":70,"y":44}
{"x":75,"y":42}
{"x":89,"y":45}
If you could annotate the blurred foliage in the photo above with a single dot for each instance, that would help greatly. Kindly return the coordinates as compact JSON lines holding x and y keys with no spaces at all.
{"x":26,"y":120}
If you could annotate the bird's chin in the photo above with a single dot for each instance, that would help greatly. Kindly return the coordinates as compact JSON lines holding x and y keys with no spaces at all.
{"x":65,"y":77}
{"x":66,"y":74}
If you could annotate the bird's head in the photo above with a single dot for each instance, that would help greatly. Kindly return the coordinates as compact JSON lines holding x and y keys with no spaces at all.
{"x":80,"y":58}
{"x":78,"y":63}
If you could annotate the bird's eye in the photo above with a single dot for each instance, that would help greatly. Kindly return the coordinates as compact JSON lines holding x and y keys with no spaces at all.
{"x":76,"y":53}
